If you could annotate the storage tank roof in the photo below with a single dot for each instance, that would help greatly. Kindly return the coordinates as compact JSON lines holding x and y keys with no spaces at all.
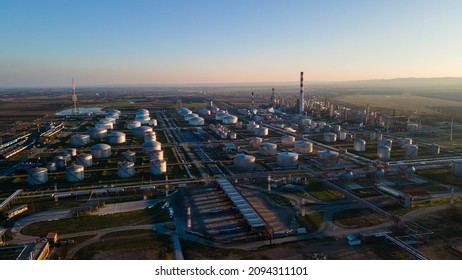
{"x":100,"y":146}
{"x":116,"y":134}
{"x":151,"y":143}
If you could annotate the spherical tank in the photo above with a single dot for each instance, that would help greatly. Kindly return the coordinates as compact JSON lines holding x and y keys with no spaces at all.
{"x":410,"y":151}
{"x":37,"y":176}
{"x":268,"y":149}
{"x":244,"y":162}
{"x":133,"y":124}
{"x":232,"y":136}
{"x":410,"y":170}
{"x":101,"y":151}
{"x":126,"y":169}
{"x":230,"y":119}
{"x":303,"y":147}
{"x":143,"y":119}
{"x":128,"y":156}
{"x":383,"y":152}
{"x":288,"y":140}
{"x":261,"y":131}
{"x":287,"y":159}
{"x":80,"y":140}
{"x":51,"y":166}
{"x":330,"y":137}
{"x":151,"y":146}
{"x":433,"y":149}
{"x":141,"y":131}
{"x":379,"y":172}
{"x":196,"y":121}
{"x":159,"y":155}
{"x":457,"y":167}
{"x":150,"y":136}
{"x":97,"y":132}
{"x":158,"y":167}
{"x":348,"y":176}
{"x":116,"y":138}
{"x":74,"y":173}
{"x":86,"y":160}
{"x":255,"y":142}
{"x":359,"y":145}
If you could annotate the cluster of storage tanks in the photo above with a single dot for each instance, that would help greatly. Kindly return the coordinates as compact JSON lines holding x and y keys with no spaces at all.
{"x":257,"y":129}
{"x":222,"y":131}
{"x":193,"y":118}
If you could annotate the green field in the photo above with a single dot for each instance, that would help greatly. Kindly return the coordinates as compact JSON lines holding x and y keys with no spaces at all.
{"x":319,"y":191}
{"x":312,"y":221}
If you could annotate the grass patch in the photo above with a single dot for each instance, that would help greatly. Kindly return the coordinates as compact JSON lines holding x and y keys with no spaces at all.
{"x":443,"y":175}
{"x":357,"y":218}
{"x":311,"y":221}
{"x":321,"y":192}
{"x":281,"y":200}
{"x":161,"y":243}
{"x":89,"y":223}
{"x":61,"y":251}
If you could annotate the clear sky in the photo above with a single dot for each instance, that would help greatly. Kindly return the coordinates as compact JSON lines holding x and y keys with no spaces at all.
{"x":45,"y":42}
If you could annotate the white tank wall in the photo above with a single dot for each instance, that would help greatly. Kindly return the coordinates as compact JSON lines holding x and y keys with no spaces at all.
{"x":51,"y":166}
{"x":101,"y":151}
{"x":116,"y":138}
{"x":342,"y":135}
{"x":37,"y":176}
{"x":268,"y":149}
{"x":151,"y":146}
{"x":433,"y":149}
{"x":80,"y":140}
{"x":143,"y":119}
{"x":150,"y":136}
{"x":86,"y":160}
{"x":196,"y":121}
{"x":330,"y":137}
{"x":133,"y":124}
{"x":383,"y":152}
{"x":230,"y":119}
{"x":359,"y":145}
{"x":97,"y":133}
{"x":261,"y":131}
{"x":244,"y":162}
{"x":288,"y":140}
{"x":255,"y":142}
{"x":326,"y":155}
{"x":303,"y":147}
{"x":286,"y":159}
{"x":153,"y":122}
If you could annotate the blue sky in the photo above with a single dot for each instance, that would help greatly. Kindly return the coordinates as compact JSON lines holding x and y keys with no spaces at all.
{"x":45,"y":43}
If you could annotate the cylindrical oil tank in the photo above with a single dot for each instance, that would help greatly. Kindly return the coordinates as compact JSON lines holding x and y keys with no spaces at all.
{"x":60,"y":161}
{"x":261,"y":131}
{"x":150,"y":136}
{"x":151,"y":146}
{"x":126,"y":169}
{"x":51,"y":166}
{"x":348,"y":175}
{"x":128,"y":156}
{"x":223,"y":135}
{"x":330,"y":137}
{"x":142,"y":112}
{"x":268,"y":149}
{"x":86,"y":160}
{"x":156,"y":155}
{"x":457,"y":167}
{"x":385,"y":142}
{"x":114,"y":111}
{"x":184,"y":111}
{"x":410,"y":151}
{"x":326,"y":155}
{"x":402,"y":142}
{"x":74,"y":173}
{"x":306,"y":121}
{"x":433,"y":149}
{"x":230,"y":119}
{"x":303,"y":147}
{"x":143,"y":119}
{"x":255,"y":142}
{"x":190,"y":116}
{"x":105,"y":124}
{"x":116,"y":138}
{"x":158,"y":167}
{"x":287,"y":159}
{"x":97,"y":132}
{"x":196,"y":121}
{"x":321,"y":125}
{"x":337,"y":128}
{"x":342,"y":135}
{"x":101,"y":151}
{"x":153,"y":122}
{"x":133,"y":124}
{"x":239,"y":125}
{"x":66,"y":154}
{"x":72,"y":151}
{"x":112,"y":115}
{"x":410,"y":170}
{"x":203,"y":112}
{"x":37,"y":176}
{"x":379,"y":136}
{"x":106,"y":119}
{"x":359,"y":145}
{"x":288,"y":140}
{"x":232,"y":135}
{"x":141,"y":131}
{"x":80,"y":140}
{"x":383,"y":152}
{"x":252,"y":126}
{"x":244,"y":162}
{"x":220,"y":115}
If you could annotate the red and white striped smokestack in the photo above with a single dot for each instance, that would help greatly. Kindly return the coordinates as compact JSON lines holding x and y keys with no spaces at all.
{"x":301,"y":101}
{"x":189,"y":218}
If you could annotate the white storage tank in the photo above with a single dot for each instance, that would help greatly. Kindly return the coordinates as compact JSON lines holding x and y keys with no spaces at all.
{"x":230,"y":119}
{"x":287,"y":159}
{"x":379,"y":172}
{"x":255,"y":142}
{"x":128,"y":156}
{"x":126,"y":169}
{"x":261,"y":131}
{"x":142,"y":112}
{"x":133,"y":124}
{"x":457,"y":167}
{"x":106,"y":119}
{"x":72,"y":151}
{"x":330,"y":137}
{"x":385,"y":142}
{"x":60,"y":161}
{"x":143,"y":119}
{"x":86,"y":160}
{"x":196,"y":121}
{"x":184,"y":111}
{"x":244,"y":162}
{"x":232,"y":136}
{"x":303,"y":147}
{"x":220,"y":115}
{"x":97,"y":132}
{"x":114,"y":111}
{"x":66,"y":154}
{"x":74,"y":173}
{"x":37,"y":176}
{"x":51,"y":166}
{"x":150,"y":136}
{"x":151,"y":146}
{"x":116,"y":138}
{"x":153,"y":122}
{"x":268,"y":149}
{"x":433,"y":149}
{"x":410,"y":151}
{"x":379,"y":136}
{"x":80,"y":140}
{"x":203,"y":112}
{"x":383,"y":152}
{"x":156,"y":155}
{"x":158,"y":167}
{"x":252,"y":126}
{"x":101,"y":151}
{"x":288,"y":140}
{"x":359,"y":145}
{"x":328,"y":156}
{"x":190,"y":116}
{"x":105,"y":124}
{"x":141,"y":131}
{"x":342,"y":135}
